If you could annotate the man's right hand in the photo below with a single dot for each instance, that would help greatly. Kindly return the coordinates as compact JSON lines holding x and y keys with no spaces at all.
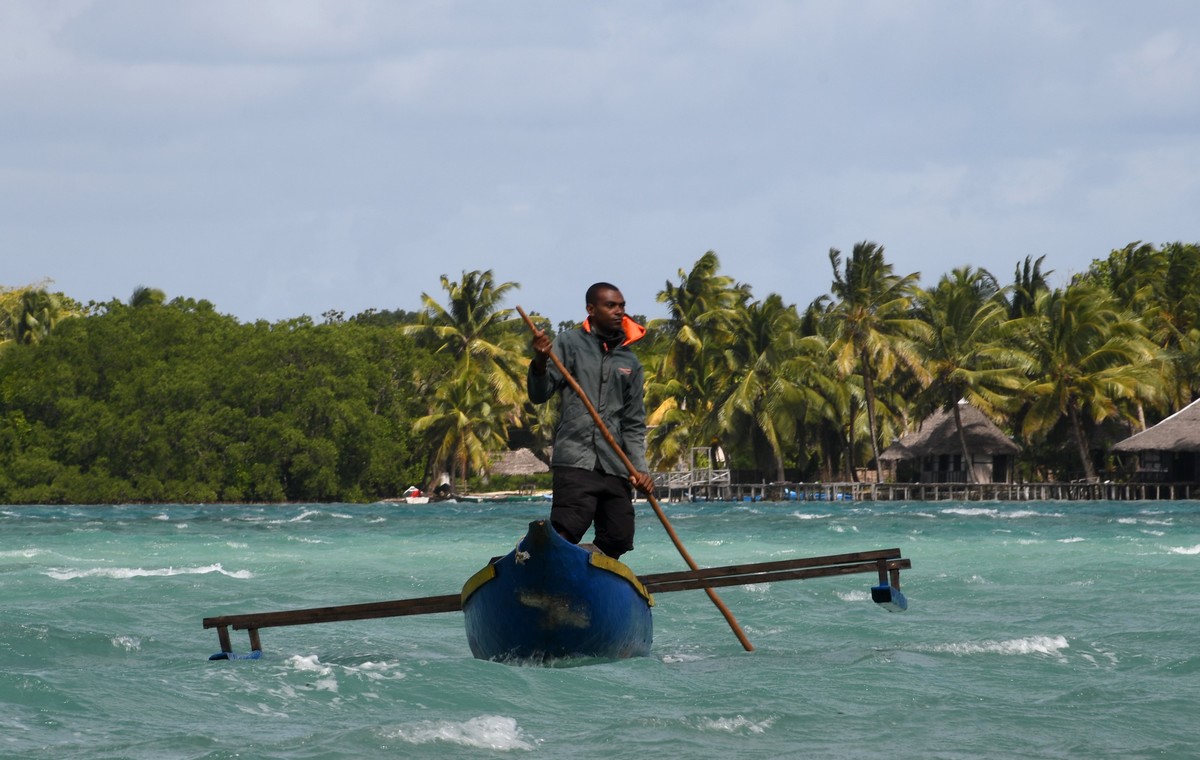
{"x":542,"y":346}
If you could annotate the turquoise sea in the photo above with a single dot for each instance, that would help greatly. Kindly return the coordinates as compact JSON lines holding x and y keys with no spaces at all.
{"x":1035,"y":630}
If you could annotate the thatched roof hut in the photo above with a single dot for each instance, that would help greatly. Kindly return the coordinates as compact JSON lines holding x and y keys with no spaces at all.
{"x":936,"y":452}
{"x":1179,"y":432}
{"x":519,"y":462}
{"x":938,"y":435}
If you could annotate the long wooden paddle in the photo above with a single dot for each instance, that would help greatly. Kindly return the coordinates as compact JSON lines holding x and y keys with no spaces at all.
{"x":662,"y":517}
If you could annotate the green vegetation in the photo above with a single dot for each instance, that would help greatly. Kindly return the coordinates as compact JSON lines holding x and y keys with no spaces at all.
{"x":170,"y":401}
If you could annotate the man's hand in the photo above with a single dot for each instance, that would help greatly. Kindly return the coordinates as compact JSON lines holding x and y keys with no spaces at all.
{"x":542,"y":346}
{"x":643,"y":482}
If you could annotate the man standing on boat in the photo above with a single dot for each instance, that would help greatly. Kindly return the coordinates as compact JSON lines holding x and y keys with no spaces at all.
{"x":591,"y":483}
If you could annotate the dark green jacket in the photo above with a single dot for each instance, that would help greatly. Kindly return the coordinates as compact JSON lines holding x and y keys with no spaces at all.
{"x":613,"y":381}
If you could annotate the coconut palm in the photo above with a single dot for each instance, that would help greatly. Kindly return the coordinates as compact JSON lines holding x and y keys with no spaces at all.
{"x":775,"y":381}
{"x":28,"y":314}
{"x":1174,"y":318}
{"x":964,"y":355}
{"x":1027,"y":284}
{"x":475,"y":329}
{"x":489,"y":344}
{"x":145,"y":296}
{"x":1087,"y":359}
{"x":873,"y":330}
{"x":464,"y":423}
{"x":682,"y":392}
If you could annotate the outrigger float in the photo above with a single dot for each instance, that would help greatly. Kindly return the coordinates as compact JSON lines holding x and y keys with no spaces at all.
{"x":549,"y":599}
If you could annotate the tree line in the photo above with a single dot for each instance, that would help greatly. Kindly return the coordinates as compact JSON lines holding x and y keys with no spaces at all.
{"x":150,"y":400}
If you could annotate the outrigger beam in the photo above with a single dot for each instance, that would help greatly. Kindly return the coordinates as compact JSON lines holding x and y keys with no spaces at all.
{"x":886,"y":562}
{"x":253,"y":621}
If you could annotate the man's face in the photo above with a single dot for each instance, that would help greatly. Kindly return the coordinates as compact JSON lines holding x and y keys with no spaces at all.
{"x":608,"y":312}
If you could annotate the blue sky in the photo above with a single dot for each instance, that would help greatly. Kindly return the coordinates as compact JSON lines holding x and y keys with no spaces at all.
{"x":290,"y":157}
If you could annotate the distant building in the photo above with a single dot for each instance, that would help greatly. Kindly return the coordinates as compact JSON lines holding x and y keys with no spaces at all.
{"x":519,"y":462}
{"x":1168,"y":452}
{"x":933,"y":453}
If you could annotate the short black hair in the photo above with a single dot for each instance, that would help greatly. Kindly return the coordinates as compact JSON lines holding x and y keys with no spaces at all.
{"x":594,"y":291}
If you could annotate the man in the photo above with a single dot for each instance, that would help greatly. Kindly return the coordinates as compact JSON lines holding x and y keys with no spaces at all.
{"x":591,"y":483}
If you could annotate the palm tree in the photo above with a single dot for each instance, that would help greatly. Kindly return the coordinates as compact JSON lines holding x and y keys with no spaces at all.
{"x":1027,"y":284}
{"x":874,"y":332}
{"x":682,"y":392}
{"x":487,"y":342}
{"x":474,"y":328}
{"x":1086,"y":358}
{"x":464,"y":424}
{"x":1175,"y":317}
{"x":964,"y":356}
{"x":775,"y":380}
{"x":145,"y":296}
{"x":30,"y":313}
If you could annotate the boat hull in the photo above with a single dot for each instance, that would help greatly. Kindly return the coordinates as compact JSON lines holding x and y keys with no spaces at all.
{"x":550,"y":599}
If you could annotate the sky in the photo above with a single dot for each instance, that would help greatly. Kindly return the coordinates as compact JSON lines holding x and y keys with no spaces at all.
{"x":282,"y":158}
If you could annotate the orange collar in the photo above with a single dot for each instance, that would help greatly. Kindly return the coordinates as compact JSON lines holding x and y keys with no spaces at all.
{"x":633,"y":331}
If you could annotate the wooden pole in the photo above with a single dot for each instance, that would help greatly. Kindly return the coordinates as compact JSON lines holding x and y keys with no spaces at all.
{"x":662,"y":517}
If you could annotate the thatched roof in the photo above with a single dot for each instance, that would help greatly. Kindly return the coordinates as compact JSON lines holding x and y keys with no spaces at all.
{"x":937,"y":435}
{"x":519,"y":462}
{"x":1179,"y":432}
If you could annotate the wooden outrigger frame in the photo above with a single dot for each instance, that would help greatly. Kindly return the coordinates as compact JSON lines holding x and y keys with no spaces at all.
{"x":886,"y":562}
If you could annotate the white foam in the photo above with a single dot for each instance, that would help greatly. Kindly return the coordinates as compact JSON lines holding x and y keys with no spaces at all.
{"x":1186,"y":549}
{"x":736,"y":724}
{"x":1037,"y":645}
{"x":377,"y":671}
{"x":1072,"y":540}
{"x":676,"y":657}
{"x":495,"y":732}
{"x":311,"y":663}
{"x":128,"y":643}
{"x":998,"y":514}
{"x":21,"y":553}
{"x":972,"y":512}
{"x":326,"y":680}
{"x":807,"y":516}
{"x":124,"y":573}
{"x":853,"y":596}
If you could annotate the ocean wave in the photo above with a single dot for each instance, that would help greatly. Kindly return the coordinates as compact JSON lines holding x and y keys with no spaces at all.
{"x":853,"y":596}
{"x":1185,"y":549}
{"x":128,"y":643}
{"x":807,"y":516}
{"x":124,"y":573}
{"x":21,"y":553}
{"x":1071,"y":540}
{"x":495,"y":732}
{"x":311,"y":664}
{"x":999,"y":514}
{"x":1037,"y":645}
{"x":735,"y":725}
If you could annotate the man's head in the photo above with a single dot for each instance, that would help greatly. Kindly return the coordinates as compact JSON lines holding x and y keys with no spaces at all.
{"x":606,"y":307}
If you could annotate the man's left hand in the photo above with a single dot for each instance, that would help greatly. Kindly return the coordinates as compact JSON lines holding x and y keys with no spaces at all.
{"x":643,"y":482}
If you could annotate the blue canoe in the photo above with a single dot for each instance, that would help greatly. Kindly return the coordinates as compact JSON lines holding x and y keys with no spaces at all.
{"x":550,"y":599}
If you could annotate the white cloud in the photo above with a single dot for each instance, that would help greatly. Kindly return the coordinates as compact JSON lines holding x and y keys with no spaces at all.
{"x":292,"y":156}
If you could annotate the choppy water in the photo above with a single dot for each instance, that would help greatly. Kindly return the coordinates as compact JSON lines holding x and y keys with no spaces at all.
{"x":1045,"y":630}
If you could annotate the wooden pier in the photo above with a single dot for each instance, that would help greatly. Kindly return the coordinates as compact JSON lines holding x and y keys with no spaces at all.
{"x":680,"y":489}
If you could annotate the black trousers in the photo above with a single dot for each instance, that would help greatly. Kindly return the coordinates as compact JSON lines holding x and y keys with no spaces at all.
{"x":583,"y":497}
